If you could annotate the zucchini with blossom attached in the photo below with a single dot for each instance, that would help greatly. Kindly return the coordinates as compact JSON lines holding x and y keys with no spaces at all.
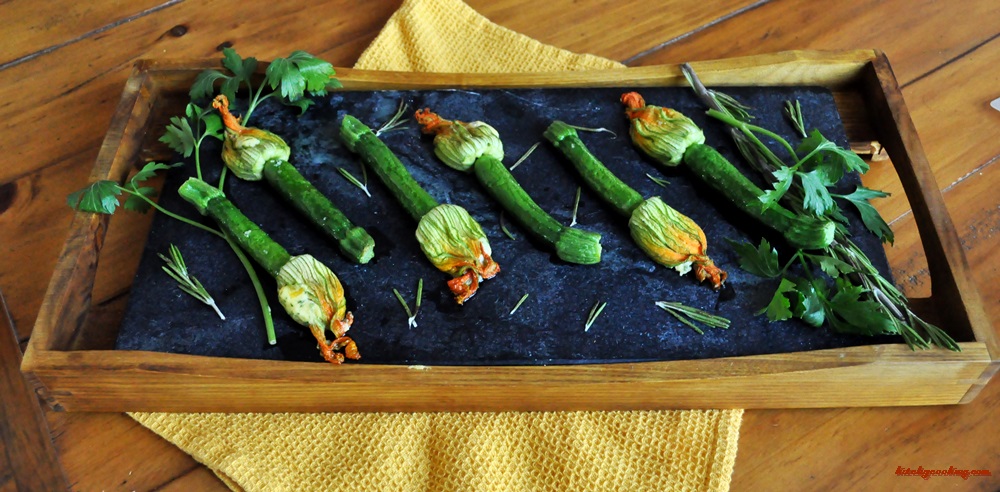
{"x":450,"y":238}
{"x":309,"y":291}
{"x":669,"y":137}
{"x":477,"y":147}
{"x":669,"y":237}
{"x":254,"y":154}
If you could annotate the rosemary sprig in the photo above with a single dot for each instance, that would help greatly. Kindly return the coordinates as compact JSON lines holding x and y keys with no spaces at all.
{"x":576,"y":206}
{"x":177,"y":270}
{"x":350,"y":177}
{"x":793,"y":110}
{"x":688,"y":315}
{"x":519,"y":302}
{"x":594,"y":313}
{"x":524,"y":156}
{"x":394,"y":122}
{"x":411,"y":315}
{"x":660,"y":181}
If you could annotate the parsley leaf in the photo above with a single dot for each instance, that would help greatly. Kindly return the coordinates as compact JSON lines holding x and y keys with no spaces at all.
{"x":779,"y":307}
{"x":817,"y":198}
{"x":827,"y":159}
{"x":148,"y":171}
{"x":871,"y":218}
{"x":809,"y":305}
{"x":99,"y":197}
{"x":761,"y":261}
{"x":298,"y":73}
{"x":784,"y":177}
{"x":179,"y":136}
{"x":204,"y":84}
{"x":852,"y":314}
{"x":831,"y":266}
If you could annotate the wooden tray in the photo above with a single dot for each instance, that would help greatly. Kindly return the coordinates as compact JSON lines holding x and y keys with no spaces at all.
{"x":875,"y":375}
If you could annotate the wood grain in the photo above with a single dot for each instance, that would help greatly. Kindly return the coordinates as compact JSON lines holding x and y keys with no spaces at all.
{"x":834,"y":449}
{"x":27,"y":446}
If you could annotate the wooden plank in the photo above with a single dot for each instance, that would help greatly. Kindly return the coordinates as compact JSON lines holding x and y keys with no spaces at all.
{"x":950,"y":272}
{"x":860,"y":448}
{"x":110,"y":451}
{"x":47,"y":134}
{"x":940,"y":115}
{"x":37,"y":215}
{"x":866,"y":376}
{"x":37,"y":28}
{"x":887,"y":25}
{"x":23,"y":431}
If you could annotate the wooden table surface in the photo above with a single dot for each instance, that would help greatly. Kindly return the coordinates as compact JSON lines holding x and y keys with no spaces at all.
{"x":63,"y":65}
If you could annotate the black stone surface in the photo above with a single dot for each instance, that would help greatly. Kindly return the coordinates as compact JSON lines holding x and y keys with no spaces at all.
{"x":549,"y":327}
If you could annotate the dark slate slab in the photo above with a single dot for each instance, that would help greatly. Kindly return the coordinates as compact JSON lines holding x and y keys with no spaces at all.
{"x":549,"y":327}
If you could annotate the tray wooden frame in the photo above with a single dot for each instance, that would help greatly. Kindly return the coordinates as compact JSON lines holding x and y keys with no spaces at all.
{"x":878,"y":375}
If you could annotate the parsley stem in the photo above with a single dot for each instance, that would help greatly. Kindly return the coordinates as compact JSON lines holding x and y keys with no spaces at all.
{"x":265,"y":307}
{"x":171,"y":214}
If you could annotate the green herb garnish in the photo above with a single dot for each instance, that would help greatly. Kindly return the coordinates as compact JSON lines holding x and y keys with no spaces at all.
{"x":594,"y":313}
{"x":689,"y":315}
{"x":411,"y":315}
{"x":660,"y":181}
{"x":178,"y":271}
{"x":519,"y":302}
{"x":354,"y":181}
{"x":793,"y":110}
{"x":503,"y":227}
{"x":836,"y":284}
{"x":576,"y":206}
{"x":524,"y":156}
{"x":290,"y":79}
{"x":394,"y":122}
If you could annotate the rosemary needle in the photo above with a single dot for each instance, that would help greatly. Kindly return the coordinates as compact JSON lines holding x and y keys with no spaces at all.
{"x":521,"y":301}
{"x":503,"y":227}
{"x":525,"y":156}
{"x":594,"y":313}
{"x":420,"y":294}
{"x":406,"y":307}
{"x":595,"y":130}
{"x":660,"y":181}
{"x":576,"y":206}
{"x":178,"y":271}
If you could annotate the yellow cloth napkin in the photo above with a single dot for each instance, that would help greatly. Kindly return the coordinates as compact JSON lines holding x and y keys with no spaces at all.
{"x":684,"y":450}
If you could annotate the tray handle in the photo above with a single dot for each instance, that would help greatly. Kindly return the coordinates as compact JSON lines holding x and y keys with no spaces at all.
{"x":952,"y":285}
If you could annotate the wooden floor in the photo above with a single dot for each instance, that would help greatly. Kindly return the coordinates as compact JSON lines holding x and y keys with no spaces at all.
{"x":63,"y":65}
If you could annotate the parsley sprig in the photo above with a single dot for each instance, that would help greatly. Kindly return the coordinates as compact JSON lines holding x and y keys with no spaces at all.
{"x":289,"y":79}
{"x":838,"y":285}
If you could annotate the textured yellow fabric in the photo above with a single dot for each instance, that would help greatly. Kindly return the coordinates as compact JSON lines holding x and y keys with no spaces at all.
{"x":683,"y":450}
{"x":543,"y":451}
{"x":449,"y":36}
